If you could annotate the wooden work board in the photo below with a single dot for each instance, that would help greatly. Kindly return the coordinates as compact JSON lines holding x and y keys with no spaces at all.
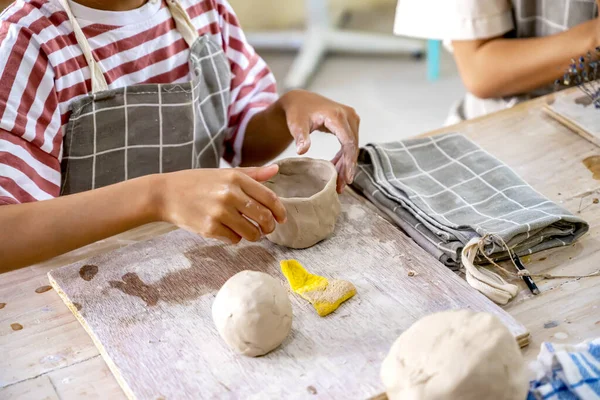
{"x":147,"y":308}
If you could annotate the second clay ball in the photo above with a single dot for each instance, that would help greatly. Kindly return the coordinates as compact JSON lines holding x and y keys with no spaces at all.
{"x":455,"y":355}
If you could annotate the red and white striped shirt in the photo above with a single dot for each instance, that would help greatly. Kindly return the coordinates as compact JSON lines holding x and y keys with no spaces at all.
{"x":43,"y":70}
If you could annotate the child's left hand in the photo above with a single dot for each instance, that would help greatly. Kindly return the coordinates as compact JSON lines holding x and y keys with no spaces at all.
{"x":306,"y":112}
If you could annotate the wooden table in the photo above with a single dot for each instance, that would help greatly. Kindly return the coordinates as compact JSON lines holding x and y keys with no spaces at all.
{"x":52,"y":357}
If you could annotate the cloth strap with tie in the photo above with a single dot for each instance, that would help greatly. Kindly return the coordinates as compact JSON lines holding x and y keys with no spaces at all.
{"x":183,"y":24}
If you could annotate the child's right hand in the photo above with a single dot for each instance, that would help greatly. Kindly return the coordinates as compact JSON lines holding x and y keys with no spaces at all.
{"x":220,"y":203}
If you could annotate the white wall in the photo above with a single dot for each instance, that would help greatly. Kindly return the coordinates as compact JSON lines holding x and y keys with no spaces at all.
{"x":283,"y":14}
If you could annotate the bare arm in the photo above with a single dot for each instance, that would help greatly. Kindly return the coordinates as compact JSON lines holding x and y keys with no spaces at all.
{"x":209,"y":202}
{"x":267,"y":136}
{"x":502,"y":67}
{"x":37,"y":231}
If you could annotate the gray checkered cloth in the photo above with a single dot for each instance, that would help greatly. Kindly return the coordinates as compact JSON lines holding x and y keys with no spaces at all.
{"x":445,"y":190}
{"x":535,"y":18}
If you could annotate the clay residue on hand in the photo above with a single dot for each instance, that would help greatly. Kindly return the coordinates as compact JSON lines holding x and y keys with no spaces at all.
{"x":2,"y":305}
{"x":88,"y":272}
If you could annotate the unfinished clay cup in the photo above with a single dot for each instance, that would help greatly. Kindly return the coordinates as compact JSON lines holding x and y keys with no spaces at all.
{"x":307,"y":189}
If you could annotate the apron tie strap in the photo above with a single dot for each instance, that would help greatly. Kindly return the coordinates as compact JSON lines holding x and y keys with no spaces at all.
{"x":183,"y":24}
{"x":492,"y":285}
{"x":97,"y":77}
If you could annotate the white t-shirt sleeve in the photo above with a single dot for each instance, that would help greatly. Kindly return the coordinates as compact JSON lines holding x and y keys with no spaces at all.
{"x":453,"y":19}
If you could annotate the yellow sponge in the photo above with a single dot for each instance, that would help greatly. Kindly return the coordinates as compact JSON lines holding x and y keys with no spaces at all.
{"x":326,"y":296}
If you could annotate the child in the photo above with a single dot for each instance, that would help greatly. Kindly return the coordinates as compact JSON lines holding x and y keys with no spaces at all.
{"x":507,"y":51}
{"x":108,"y":108}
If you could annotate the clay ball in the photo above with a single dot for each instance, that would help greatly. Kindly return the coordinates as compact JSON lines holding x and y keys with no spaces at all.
{"x":252,"y":313}
{"x":455,"y":355}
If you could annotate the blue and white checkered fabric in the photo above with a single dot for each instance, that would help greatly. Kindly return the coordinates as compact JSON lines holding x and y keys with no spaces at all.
{"x":567,"y":372}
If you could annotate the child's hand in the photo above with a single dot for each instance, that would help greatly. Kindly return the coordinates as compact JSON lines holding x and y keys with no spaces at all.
{"x":220,"y":203}
{"x":306,"y":112}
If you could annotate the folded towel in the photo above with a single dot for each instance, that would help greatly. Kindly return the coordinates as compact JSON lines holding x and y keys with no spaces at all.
{"x":566,"y":372}
{"x":455,"y":200}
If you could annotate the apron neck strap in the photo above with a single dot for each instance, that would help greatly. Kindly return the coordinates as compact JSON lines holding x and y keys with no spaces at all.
{"x":183,"y":24}
{"x":97,"y":77}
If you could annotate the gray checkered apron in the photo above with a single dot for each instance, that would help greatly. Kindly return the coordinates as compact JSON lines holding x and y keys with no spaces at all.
{"x":119,"y":134}
{"x":532,"y":18}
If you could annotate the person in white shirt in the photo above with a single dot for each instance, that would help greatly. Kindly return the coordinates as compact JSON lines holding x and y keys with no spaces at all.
{"x":506,"y":51}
